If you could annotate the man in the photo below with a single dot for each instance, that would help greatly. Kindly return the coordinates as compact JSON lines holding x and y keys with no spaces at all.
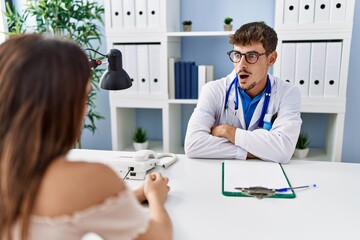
{"x":249,"y":113}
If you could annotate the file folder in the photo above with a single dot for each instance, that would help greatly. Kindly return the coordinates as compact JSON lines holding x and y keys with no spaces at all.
{"x":332,"y":69}
{"x":153,"y":13}
{"x":141,"y":13}
{"x":322,"y":11}
{"x":287,"y":67}
{"x":129,"y":13}
{"x":306,"y":11}
{"x":302,"y":67}
{"x":338,"y":11}
{"x":143,"y":68}
{"x":291,"y":11}
{"x":116,"y":14}
{"x":156,"y":83}
{"x":317,"y":69}
{"x":130,"y":65}
{"x":254,"y":174}
{"x":201,"y":77}
{"x":171,"y":76}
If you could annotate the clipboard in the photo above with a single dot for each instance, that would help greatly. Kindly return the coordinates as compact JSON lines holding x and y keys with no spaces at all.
{"x":251,"y":174}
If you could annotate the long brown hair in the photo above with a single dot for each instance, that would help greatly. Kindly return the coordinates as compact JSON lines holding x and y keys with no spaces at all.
{"x":42,"y":102}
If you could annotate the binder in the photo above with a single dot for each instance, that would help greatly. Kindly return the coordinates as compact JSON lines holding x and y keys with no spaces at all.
{"x":287,"y":67}
{"x":291,"y":11}
{"x":254,"y":174}
{"x":306,"y":11}
{"x":143,"y":68}
{"x":332,"y":69}
{"x":201,"y":77}
{"x":182,"y":80}
{"x":322,"y":11}
{"x":130,"y":65}
{"x":128,"y":13}
{"x":177,"y":80}
{"x":317,"y":69}
{"x":116,"y":14}
{"x":194,"y":81}
{"x":188,"y":79}
{"x":156,"y":83}
{"x":140,"y":13}
{"x":153,"y":13}
{"x":171,"y":76}
{"x":210,"y":71}
{"x":302,"y":67}
{"x":338,"y":11}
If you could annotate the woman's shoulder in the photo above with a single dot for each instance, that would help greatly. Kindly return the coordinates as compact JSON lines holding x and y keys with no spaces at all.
{"x":68,"y":187}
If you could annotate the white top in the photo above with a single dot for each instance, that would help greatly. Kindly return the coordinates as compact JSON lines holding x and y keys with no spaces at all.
{"x":276,"y":145}
{"x":120,"y":217}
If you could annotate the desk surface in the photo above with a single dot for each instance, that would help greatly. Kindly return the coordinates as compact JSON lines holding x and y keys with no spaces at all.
{"x":199,"y":210}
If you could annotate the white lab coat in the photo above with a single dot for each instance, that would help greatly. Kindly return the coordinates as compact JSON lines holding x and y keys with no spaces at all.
{"x":276,"y":145}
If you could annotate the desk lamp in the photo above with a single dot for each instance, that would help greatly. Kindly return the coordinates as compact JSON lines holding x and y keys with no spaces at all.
{"x":115,"y":77}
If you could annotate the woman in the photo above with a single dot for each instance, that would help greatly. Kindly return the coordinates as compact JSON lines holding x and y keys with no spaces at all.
{"x":44,"y":85}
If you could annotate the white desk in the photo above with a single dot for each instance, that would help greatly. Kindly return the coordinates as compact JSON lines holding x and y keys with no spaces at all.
{"x":199,"y":210}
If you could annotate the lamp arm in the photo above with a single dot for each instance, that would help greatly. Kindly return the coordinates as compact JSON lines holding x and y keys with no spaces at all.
{"x":93,"y":62}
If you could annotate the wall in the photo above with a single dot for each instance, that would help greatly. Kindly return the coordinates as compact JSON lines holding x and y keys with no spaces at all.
{"x":351,"y":143}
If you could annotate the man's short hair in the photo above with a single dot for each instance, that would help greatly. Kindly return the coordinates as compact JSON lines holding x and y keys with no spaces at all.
{"x":255,"y":32}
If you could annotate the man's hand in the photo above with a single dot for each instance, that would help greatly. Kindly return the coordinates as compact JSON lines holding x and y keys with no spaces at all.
{"x":226,"y":131}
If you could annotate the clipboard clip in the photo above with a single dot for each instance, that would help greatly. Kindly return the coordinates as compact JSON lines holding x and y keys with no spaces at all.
{"x":258,"y":192}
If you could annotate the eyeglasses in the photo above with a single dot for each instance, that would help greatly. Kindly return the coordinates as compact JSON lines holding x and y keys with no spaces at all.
{"x":250,"y":57}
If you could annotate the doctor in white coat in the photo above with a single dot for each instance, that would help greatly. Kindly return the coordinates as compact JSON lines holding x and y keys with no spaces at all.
{"x":249,"y":113}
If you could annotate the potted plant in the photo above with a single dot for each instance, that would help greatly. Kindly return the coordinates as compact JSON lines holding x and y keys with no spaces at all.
{"x":228,"y":25}
{"x":187,"y":25}
{"x":140,"y":139}
{"x":72,"y":19}
{"x":301,"y":149}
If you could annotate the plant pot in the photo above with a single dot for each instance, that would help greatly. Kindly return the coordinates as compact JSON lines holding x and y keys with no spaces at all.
{"x":227,"y":27}
{"x":301,"y":153}
{"x":140,"y":146}
{"x":187,"y":28}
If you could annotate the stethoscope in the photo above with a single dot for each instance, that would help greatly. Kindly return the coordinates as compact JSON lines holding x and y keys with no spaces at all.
{"x":235,"y":83}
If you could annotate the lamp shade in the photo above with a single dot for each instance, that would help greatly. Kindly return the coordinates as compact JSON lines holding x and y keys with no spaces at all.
{"x":115,"y":77}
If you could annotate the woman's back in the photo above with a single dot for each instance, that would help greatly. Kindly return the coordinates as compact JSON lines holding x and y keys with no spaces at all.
{"x":78,"y":197}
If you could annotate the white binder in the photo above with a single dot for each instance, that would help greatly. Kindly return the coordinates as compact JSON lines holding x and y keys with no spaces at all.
{"x":153,"y":13}
{"x":130,"y":65}
{"x":140,"y":13}
{"x":322,"y":11}
{"x":332,"y":69}
{"x":128,"y":13}
{"x":116,"y":14}
{"x":201,"y":77}
{"x":171,"y":76}
{"x":291,"y":11}
{"x":143,"y":68}
{"x":156,"y":83}
{"x":317,"y":69}
{"x":306,"y":11}
{"x":338,"y":11}
{"x":287,"y":67}
{"x":302,"y":67}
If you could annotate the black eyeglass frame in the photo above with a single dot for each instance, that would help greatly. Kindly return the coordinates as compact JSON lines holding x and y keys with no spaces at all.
{"x":245,"y":55}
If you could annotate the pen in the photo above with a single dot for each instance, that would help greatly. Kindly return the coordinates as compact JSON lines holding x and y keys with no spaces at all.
{"x":291,"y":188}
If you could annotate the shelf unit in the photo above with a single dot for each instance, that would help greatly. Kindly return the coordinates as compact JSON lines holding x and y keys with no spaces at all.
{"x":123,"y":104}
{"x":326,"y":21}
